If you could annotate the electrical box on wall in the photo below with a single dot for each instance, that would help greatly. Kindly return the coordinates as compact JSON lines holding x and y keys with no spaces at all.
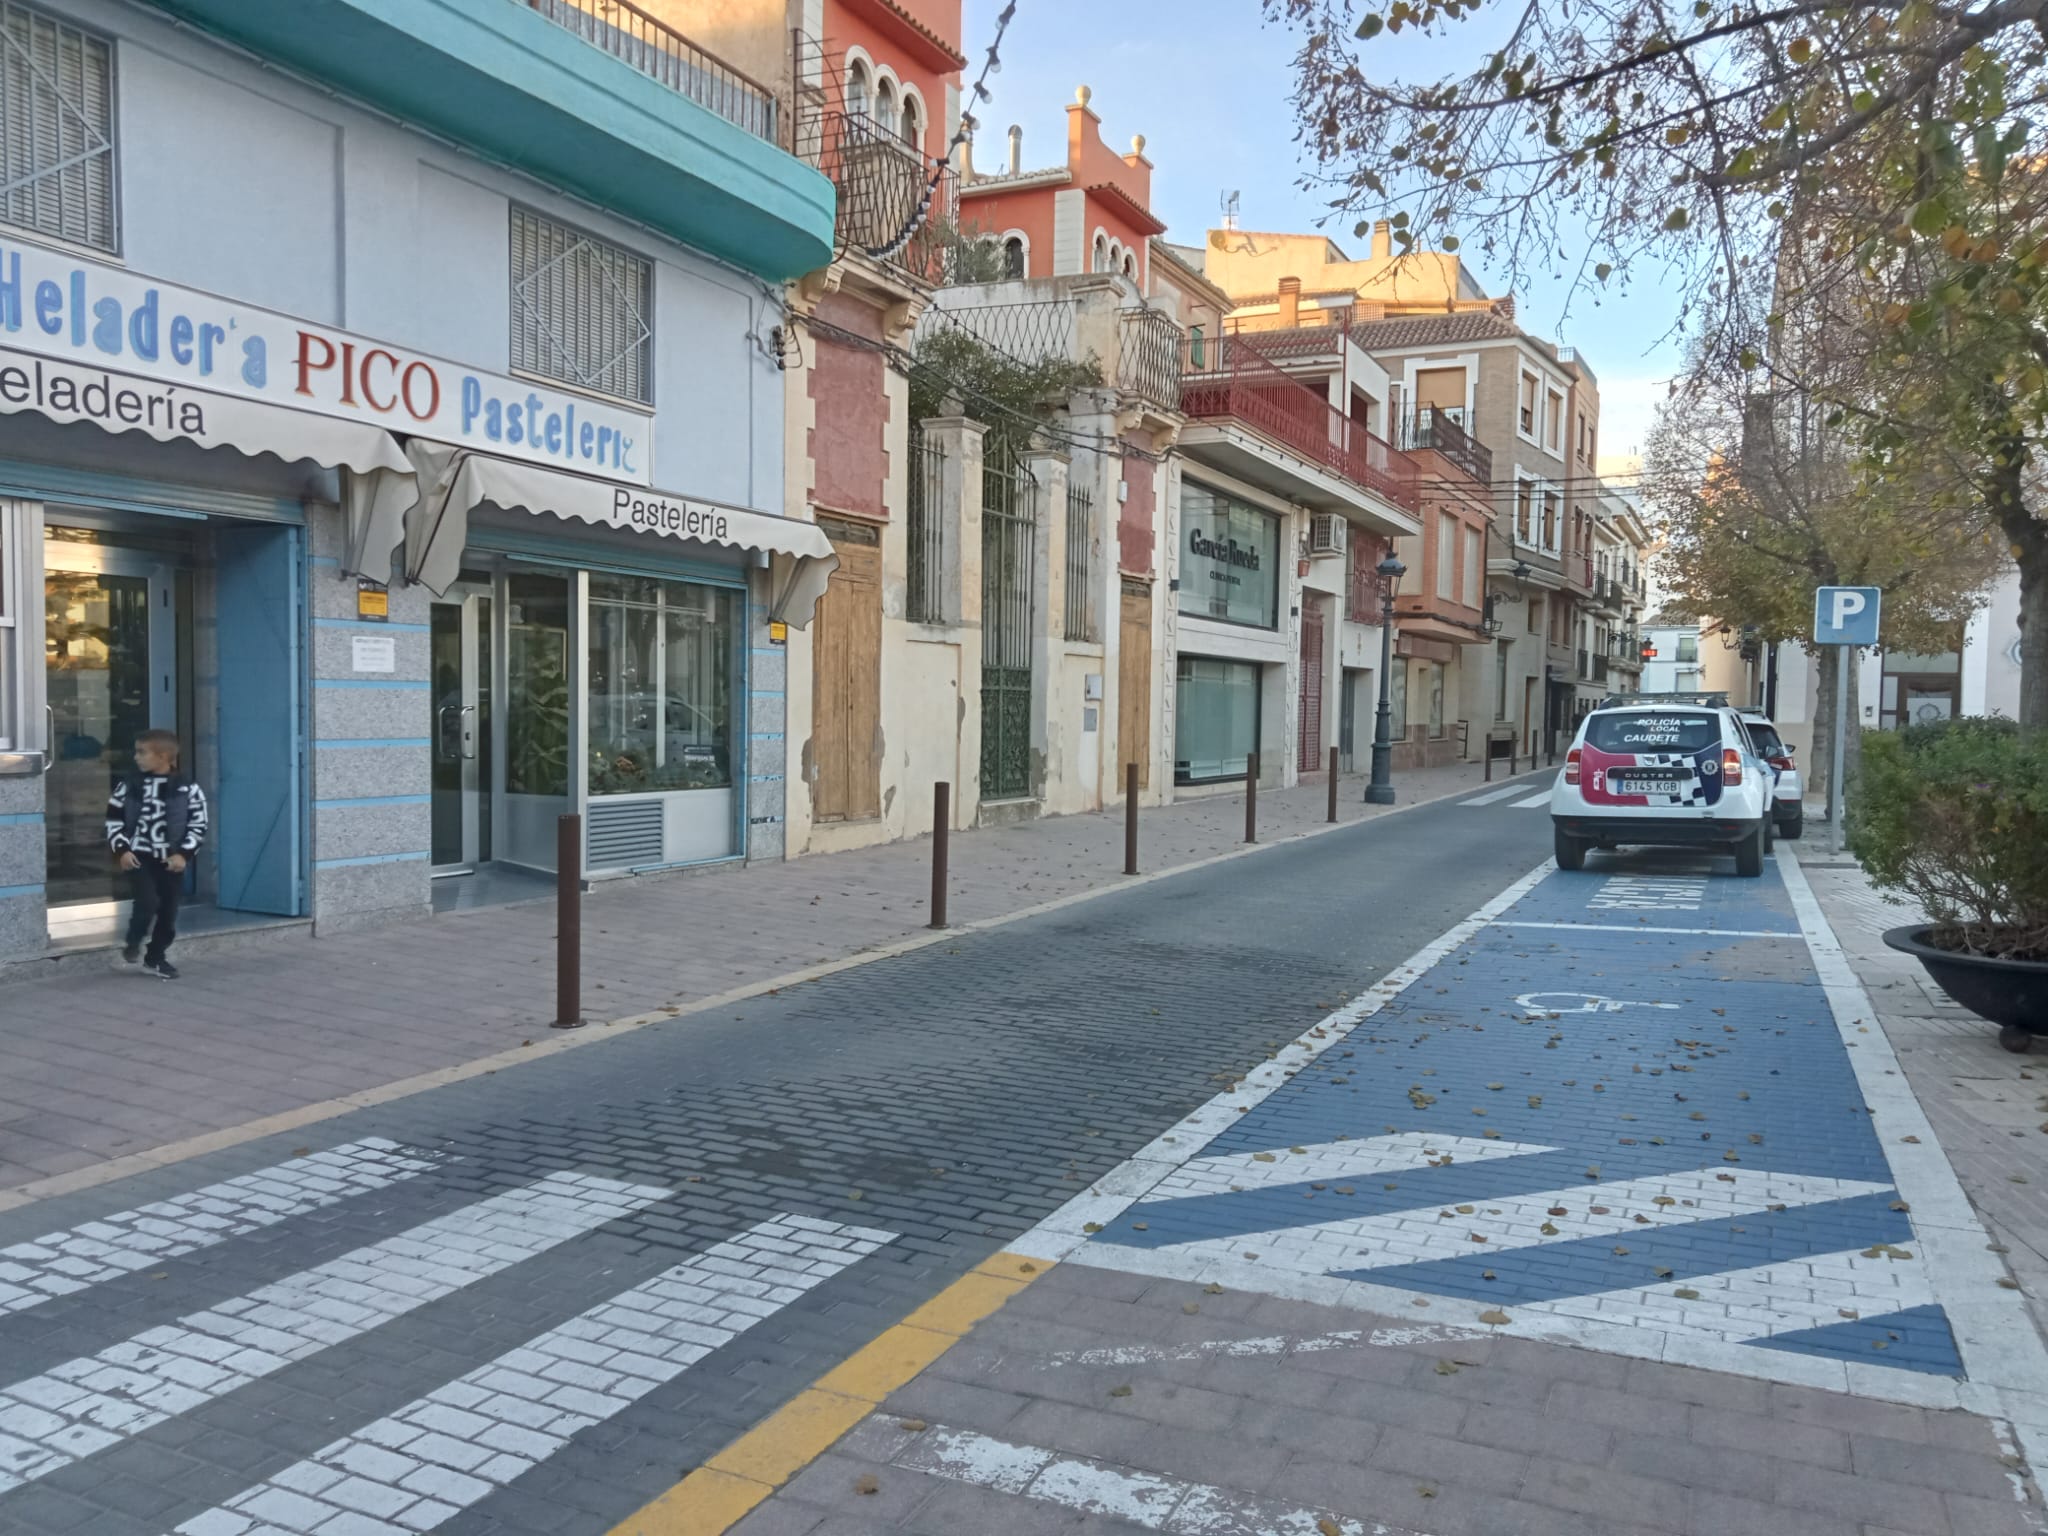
{"x":1091,"y":686}
{"x":1123,"y":490}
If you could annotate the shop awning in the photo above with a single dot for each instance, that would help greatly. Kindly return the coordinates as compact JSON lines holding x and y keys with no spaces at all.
{"x":452,"y":480}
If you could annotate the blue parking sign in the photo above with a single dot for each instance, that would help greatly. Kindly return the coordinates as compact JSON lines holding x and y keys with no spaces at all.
{"x":1846,"y":615}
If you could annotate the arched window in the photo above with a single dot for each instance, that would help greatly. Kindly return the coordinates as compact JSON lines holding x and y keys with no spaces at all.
{"x":1013,"y":257}
{"x":885,"y":105}
{"x":856,"y":89}
{"x":913,"y":130}
{"x":1100,"y":263}
{"x":1130,"y":266}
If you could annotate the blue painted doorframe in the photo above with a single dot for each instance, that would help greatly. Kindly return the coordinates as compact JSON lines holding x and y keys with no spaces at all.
{"x":259,"y":609}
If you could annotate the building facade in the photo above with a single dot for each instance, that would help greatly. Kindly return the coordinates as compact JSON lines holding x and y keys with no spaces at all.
{"x":401,"y":425}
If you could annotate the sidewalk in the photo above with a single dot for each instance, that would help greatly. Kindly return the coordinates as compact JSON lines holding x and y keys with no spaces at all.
{"x":112,"y":1065}
{"x":1988,"y":1106}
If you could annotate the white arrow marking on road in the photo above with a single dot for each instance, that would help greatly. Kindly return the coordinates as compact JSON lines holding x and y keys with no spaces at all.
{"x":88,"y":1404}
{"x":1423,"y":1234}
{"x":1328,"y":1160}
{"x":63,"y":1262}
{"x":1588,"y":1002}
{"x":442,"y":1453}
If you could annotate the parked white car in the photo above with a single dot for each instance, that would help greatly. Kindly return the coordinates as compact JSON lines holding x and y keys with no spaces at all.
{"x":1663,"y":775}
{"x":1788,"y":799}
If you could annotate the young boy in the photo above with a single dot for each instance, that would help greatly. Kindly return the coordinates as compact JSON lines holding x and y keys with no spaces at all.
{"x":156,"y":820}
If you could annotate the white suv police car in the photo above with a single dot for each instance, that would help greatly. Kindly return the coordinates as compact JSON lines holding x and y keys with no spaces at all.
{"x":1663,"y":771}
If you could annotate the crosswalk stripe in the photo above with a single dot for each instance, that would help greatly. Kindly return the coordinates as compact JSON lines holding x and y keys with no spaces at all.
{"x":61,"y":1263}
{"x":442,"y":1453}
{"x":1401,"y":1152}
{"x":1428,"y":1233}
{"x":1741,"y":1305}
{"x":1496,"y":794}
{"x":88,"y":1404}
{"x":1533,"y":801}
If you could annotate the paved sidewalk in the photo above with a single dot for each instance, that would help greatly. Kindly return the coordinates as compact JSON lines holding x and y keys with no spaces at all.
{"x":1989,"y":1107}
{"x":107,"y":1064}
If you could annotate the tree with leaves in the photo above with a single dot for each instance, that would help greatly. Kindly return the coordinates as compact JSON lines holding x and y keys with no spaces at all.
{"x":1882,"y":145}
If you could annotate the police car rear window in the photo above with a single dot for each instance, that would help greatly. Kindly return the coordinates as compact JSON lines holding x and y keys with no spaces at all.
{"x":1616,"y":731}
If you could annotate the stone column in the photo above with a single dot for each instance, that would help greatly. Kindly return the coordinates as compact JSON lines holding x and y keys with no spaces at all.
{"x":1055,"y":717}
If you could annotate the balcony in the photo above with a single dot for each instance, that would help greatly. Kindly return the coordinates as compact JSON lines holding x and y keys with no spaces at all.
{"x":597,"y":102}
{"x":1226,"y":380}
{"x":1435,"y":426}
{"x":1150,"y":350}
{"x":895,"y":204}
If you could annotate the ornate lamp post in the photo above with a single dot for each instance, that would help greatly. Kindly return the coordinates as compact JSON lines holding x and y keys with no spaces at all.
{"x":1381,"y":790}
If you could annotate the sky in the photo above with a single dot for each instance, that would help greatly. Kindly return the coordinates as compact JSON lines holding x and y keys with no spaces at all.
{"x":1208,"y":83}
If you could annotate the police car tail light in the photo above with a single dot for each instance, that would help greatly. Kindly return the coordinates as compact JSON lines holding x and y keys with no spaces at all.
{"x":1571,"y":766}
{"x":1731,"y":766}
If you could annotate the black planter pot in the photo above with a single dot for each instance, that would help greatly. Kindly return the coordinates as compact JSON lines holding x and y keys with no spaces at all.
{"x":2013,"y":994}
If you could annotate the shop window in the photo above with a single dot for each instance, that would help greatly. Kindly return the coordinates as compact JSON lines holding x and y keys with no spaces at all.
{"x":1216,"y":719}
{"x":537,"y":682}
{"x":57,"y":102}
{"x":1230,"y":559}
{"x":15,"y":735}
{"x":1427,"y":690}
{"x":661,"y":685}
{"x":582,"y":309}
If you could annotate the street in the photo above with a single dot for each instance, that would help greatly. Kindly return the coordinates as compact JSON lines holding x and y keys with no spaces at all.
{"x":1384,"y":1180}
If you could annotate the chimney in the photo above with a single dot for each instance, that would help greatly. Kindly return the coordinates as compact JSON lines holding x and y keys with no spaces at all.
{"x":1382,"y":240}
{"x":1290,"y":303}
{"x":1016,"y":150}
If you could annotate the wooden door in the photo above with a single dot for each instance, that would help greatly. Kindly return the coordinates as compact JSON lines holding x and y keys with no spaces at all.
{"x":1311,"y":743}
{"x":846,"y":654}
{"x":1134,"y":683}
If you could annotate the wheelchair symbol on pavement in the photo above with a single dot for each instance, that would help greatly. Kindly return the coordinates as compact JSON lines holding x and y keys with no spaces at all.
{"x":1582,"y":1002}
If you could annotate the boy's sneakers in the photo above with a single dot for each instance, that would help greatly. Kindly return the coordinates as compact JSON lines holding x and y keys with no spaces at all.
{"x":131,"y":953}
{"x":163,"y":970}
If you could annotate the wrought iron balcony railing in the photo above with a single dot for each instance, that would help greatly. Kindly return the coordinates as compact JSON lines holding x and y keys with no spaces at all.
{"x":892,"y":208}
{"x":1441,"y":428}
{"x":657,"y":50}
{"x":1229,"y":379}
{"x":1151,"y":349}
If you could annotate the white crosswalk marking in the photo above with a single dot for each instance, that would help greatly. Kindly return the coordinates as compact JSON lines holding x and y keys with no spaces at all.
{"x":1739,"y":1305}
{"x":88,"y":1404}
{"x":1496,"y":794}
{"x":1330,"y":1160}
{"x":63,"y":1262}
{"x":1533,"y":801}
{"x":1519,"y":1221}
{"x":442,"y":1453}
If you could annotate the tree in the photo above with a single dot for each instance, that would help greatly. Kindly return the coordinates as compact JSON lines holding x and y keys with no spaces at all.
{"x":1881,"y":145}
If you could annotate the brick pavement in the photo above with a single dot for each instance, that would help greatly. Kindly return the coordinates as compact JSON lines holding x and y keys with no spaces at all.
{"x":102,"y":1063}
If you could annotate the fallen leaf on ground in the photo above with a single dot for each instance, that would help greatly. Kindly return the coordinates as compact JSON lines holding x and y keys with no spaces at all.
{"x":1686,"y":1293}
{"x":1212,"y":1289}
{"x":1446,"y":1368}
{"x":915,"y":1426}
{"x":1495,"y":1317}
{"x":866,"y":1484}
{"x":1123,"y":1391}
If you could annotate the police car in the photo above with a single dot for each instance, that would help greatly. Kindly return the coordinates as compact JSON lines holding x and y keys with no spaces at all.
{"x":1788,"y":795}
{"x":1672,"y":770}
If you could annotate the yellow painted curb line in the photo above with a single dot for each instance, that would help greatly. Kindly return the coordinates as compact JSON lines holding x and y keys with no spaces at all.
{"x":715,"y":1497}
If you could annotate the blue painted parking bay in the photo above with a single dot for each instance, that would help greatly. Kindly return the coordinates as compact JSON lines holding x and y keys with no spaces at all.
{"x":1624,"y":1101}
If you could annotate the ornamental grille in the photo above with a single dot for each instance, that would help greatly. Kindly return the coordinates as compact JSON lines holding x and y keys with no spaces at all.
{"x":581,"y":309}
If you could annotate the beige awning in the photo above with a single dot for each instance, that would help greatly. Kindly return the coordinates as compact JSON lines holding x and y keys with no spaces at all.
{"x":452,"y":480}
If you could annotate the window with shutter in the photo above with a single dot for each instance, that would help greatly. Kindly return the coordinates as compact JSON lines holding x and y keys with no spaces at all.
{"x":582,"y":309}
{"x":57,"y":119}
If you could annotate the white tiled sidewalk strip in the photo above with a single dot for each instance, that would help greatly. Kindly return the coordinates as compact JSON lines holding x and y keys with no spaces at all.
{"x":1330,"y":1161}
{"x":1434,"y":1232}
{"x":1761,"y":1302}
{"x":88,"y":1404}
{"x":112,"y":1246}
{"x":445,"y":1451}
{"x":1080,"y":1483}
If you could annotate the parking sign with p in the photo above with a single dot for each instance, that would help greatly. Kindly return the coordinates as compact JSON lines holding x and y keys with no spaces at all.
{"x":1846,"y":615}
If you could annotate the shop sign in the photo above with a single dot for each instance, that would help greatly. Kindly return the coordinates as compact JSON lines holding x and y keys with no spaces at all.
{"x":73,"y":310}
{"x":373,"y":600}
{"x":1230,"y":560}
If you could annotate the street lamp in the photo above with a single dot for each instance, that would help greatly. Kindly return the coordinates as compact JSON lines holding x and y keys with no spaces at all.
{"x":1381,"y":790}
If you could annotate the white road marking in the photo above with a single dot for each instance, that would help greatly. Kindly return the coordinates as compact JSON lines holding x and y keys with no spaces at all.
{"x":60,"y":1263}
{"x":1718,"y":933}
{"x":1585,"y":1002}
{"x":1174,"y":1505}
{"x":1329,"y":1160}
{"x":1761,"y":1302}
{"x":1426,"y":1233}
{"x":1496,"y":794}
{"x":1270,"y":1344}
{"x":442,"y":1453}
{"x":88,"y":1404}
{"x":1533,"y":801}
{"x":1650,"y":893}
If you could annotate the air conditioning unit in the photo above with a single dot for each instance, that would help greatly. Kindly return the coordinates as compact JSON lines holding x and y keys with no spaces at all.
{"x":1325,"y":534}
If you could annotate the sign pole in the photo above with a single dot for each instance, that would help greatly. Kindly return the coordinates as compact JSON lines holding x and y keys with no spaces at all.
{"x":1845,"y":658}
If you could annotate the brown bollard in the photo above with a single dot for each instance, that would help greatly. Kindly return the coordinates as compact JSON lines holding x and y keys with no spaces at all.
{"x":1130,"y":818}
{"x":1333,"y":785}
{"x":569,"y":922}
{"x":942,"y":825}
{"x":1488,"y":755}
{"x":1251,"y":798}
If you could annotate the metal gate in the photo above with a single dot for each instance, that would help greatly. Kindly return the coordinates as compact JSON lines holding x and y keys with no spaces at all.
{"x":1311,"y":757}
{"x":1009,"y":534}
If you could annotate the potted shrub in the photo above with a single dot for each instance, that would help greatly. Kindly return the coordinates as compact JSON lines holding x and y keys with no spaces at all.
{"x":1955,"y":816}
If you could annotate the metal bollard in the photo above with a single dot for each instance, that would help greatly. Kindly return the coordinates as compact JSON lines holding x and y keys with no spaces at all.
{"x":1130,"y":818}
{"x":942,"y":825}
{"x":1251,"y":798}
{"x":569,"y":922}
{"x":1488,"y":754}
{"x":1333,"y":784}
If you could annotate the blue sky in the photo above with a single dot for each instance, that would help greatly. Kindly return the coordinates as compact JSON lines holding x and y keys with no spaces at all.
{"x":1208,"y":84}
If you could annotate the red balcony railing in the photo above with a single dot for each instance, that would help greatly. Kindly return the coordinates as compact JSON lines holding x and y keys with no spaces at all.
{"x":1228,"y":379}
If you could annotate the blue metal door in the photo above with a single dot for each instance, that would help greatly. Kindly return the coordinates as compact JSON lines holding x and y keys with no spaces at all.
{"x":259,"y":614}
